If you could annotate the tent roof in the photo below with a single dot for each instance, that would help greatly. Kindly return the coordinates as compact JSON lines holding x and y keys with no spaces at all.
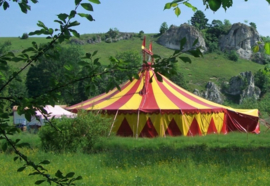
{"x":56,"y":111}
{"x":156,"y":97}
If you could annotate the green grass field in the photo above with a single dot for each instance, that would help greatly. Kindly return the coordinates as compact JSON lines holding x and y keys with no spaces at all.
{"x":232,"y":159}
{"x":212,"y":67}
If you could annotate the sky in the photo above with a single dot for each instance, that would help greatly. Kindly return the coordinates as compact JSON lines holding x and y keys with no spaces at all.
{"x":128,"y":16}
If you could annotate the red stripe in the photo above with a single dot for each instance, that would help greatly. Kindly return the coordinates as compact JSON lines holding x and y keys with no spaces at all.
{"x":125,"y":98}
{"x":103,"y":99}
{"x":177,"y":101}
{"x":179,"y":90}
{"x":149,"y":102}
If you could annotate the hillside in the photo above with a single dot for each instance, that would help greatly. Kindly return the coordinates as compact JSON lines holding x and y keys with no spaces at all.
{"x":212,"y":67}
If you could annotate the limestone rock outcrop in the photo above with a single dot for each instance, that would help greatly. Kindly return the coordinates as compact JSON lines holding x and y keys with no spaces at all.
{"x":171,"y":38}
{"x":244,"y":86}
{"x":241,"y":38}
{"x":212,"y":93}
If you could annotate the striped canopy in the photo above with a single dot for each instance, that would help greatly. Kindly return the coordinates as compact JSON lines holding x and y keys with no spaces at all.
{"x":147,"y":109}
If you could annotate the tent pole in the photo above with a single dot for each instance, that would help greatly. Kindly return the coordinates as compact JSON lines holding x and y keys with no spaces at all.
{"x":113,"y":122}
{"x":186,"y":123}
{"x":137,"y":124}
{"x":164,"y":132}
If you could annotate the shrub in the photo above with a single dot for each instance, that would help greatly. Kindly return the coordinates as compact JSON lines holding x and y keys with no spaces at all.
{"x":232,"y":55}
{"x":24,"y":36}
{"x":80,"y":133}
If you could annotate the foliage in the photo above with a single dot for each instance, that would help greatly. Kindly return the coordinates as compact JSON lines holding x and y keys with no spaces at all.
{"x":80,"y":133}
{"x":199,"y":20}
{"x":212,"y":4}
{"x":112,"y":33}
{"x":132,"y":60}
{"x":141,"y":34}
{"x":232,"y":55}
{"x":163,"y":28}
{"x":49,"y":71}
{"x":24,"y":36}
{"x":4,"y":48}
{"x":253,"y":25}
{"x":262,"y":79}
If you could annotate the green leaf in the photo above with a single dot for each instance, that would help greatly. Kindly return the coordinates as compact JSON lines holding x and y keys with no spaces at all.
{"x":72,"y":14}
{"x":195,"y":42}
{"x":62,"y":17}
{"x":185,"y":59}
{"x":70,"y":175}
{"x":74,"y":23}
{"x":194,"y":9}
{"x":15,"y":158}
{"x":159,"y":77}
{"x":94,"y":53}
{"x":39,"y":182}
{"x":24,"y":7}
{"x":177,"y":11}
{"x":21,"y":169}
{"x":167,"y":6}
{"x":195,"y":53}
{"x":256,"y":48}
{"x":5,"y":5}
{"x":4,"y":147}
{"x":45,"y":162}
{"x":77,"y":2}
{"x":59,"y":174}
{"x":23,"y":145}
{"x":75,"y":33}
{"x":267,"y":48}
{"x":78,"y":178}
{"x":182,"y":43}
{"x":94,"y":1}
{"x":87,"y":16}
{"x":87,"y":6}
{"x":34,"y":1}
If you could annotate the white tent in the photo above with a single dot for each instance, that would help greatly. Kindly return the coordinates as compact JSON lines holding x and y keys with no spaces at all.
{"x":57,"y":111}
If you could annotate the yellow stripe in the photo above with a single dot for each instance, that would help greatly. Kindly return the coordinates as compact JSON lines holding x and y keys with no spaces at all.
{"x":162,"y":100}
{"x":114,"y":98}
{"x":195,"y":96}
{"x":134,"y":102}
{"x":184,"y":98}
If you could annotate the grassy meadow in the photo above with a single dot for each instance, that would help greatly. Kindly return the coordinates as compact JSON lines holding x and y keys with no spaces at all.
{"x":232,"y":159}
{"x":197,"y":74}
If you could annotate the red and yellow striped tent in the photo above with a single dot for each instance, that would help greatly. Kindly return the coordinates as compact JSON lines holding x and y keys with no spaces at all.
{"x":144,"y":109}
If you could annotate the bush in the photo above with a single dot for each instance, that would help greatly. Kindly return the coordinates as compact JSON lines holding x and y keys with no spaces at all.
{"x":24,"y":36}
{"x":80,"y":133}
{"x":232,"y":55}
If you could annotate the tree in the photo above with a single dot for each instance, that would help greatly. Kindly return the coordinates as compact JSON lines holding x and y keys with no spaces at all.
{"x":163,"y":28}
{"x":253,"y":25}
{"x":199,"y":20}
{"x":31,"y":56}
{"x":24,"y":36}
{"x":132,"y":60}
{"x":41,"y":77}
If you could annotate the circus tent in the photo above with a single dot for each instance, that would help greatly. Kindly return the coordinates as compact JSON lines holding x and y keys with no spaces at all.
{"x":144,"y":109}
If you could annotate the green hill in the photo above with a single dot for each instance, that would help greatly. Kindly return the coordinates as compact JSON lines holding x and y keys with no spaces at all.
{"x":212,"y":67}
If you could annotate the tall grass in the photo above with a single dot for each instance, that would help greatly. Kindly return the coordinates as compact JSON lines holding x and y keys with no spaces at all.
{"x":232,"y":159}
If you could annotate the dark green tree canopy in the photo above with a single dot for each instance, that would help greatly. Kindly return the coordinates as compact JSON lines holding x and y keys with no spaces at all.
{"x":51,"y":71}
{"x":199,"y":20}
{"x":163,"y":28}
{"x":253,"y":25}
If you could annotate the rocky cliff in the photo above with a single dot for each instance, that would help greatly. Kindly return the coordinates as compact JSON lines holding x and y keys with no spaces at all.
{"x":240,"y":38}
{"x":244,"y":86}
{"x":212,"y":93}
{"x":171,"y":38}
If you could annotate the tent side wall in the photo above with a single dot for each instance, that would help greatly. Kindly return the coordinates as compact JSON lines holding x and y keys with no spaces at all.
{"x":153,"y":125}
{"x":169,"y":124}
